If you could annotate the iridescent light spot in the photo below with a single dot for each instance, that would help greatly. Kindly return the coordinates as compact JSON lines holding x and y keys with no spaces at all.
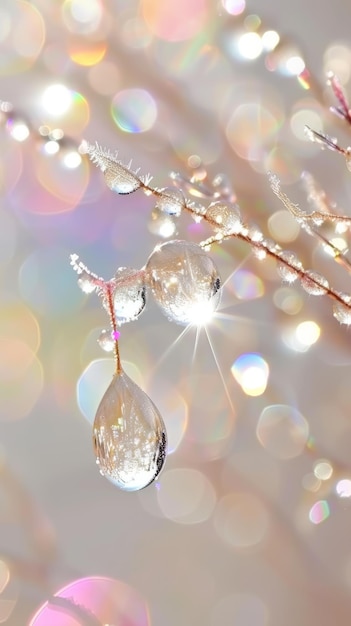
{"x":301,"y":337}
{"x":251,"y":372}
{"x":167,"y":20}
{"x":186,"y":496}
{"x":134,"y":110}
{"x":323,"y":470}
{"x":283,"y":431}
{"x":288,"y":300}
{"x":250,"y":45}
{"x":57,"y":99}
{"x":234,"y":7}
{"x":343,"y":488}
{"x":87,"y":54}
{"x":108,"y":601}
{"x":241,"y":519}
{"x":319,"y":512}
{"x":246,"y":285}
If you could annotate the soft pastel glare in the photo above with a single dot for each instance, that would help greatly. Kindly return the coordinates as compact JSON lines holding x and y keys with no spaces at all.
{"x":72,"y":159}
{"x":295,"y":65}
{"x":246,"y":285}
{"x":4,"y":575}
{"x":109,"y":601}
{"x":82,"y":17}
{"x":18,"y":130}
{"x":250,"y":46}
{"x":319,"y":512}
{"x":175,"y":20}
{"x":283,"y":431}
{"x":270,"y":40}
{"x":241,"y":520}
{"x":57,"y":100}
{"x":251,"y":372}
{"x":343,"y":488}
{"x":186,"y":496}
{"x":323,"y":470}
{"x":302,"y":118}
{"x":307,"y":333}
{"x":234,"y":7}
{"x":337,"y":59}
{"x":88,"y":54}
{"x":134,"y":110}
{"x":283,"y":227}
{"x":240,"y":609}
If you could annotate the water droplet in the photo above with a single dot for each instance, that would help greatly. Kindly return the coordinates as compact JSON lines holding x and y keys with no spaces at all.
{"x":86,"y":282}
{"x":314,"y":284}
{"x":289,"y":274}
{"x":129,"y":435}
{"x":184,"y":281}
{"x":129,"y":294}
{"x":171,"y":201}
{"x":225,"y":216}
{"x":342,"y":312}
{"x":106,"y":341}
{"x":120,"y":180}
{"x":254,"y":233}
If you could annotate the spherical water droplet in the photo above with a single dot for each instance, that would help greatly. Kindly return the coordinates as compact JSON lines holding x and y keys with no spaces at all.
{"x":120,"y":180}
{"x":106,"y":341}
{"x":342,"y":312}
{"x":171,"y":201}
{"x":162,"y":224}
{"x":129,"y":435}
{"x":289,"y":274}
{"x":314,"y":284}
{"x":86,"y":282}
{"x":254,"y":233}
{"x":129,"y":294}
{"x":184,"y":281}
{"x":225,"y":216}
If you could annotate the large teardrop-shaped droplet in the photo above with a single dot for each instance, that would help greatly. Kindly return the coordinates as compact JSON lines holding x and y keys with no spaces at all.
{"x":184,"y":281}
{"x":129,"y":435}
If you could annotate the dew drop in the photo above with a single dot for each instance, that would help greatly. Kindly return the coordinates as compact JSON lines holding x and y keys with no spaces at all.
{"x":120,"y":180}
{"x":129,"y":435}
{"x":129,"y":294}
{"x":288,"y":273}
{"x":225,"y":216}
{"x":86,"y":282}
{"x":342,"y":312}
{"x":171,"y":201}
{"x":184,"y":281}
{"x":106,"y":341}
{"x":314,"y":284}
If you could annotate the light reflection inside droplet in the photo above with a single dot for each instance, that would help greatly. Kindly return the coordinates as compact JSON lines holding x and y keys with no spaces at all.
{"x":251,"y":372}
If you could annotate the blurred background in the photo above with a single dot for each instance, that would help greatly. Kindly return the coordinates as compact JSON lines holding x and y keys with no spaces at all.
{"x":249,"y":522}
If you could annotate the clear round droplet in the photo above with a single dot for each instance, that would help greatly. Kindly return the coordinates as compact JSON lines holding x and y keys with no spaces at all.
{"x":342,"y":312}
{"x":225,"y":216}
{"x":120,"y":180}
{"x":86,"y":282}
{"x":129,"y":294}
{"x":309,"y":283}
{"x":161,"y":224}
{"x":288,"y":273}
{"x":106,"y":341}
{"x":184,"y":281}
{"x":171,"y":201}
{"x":129,"y":436}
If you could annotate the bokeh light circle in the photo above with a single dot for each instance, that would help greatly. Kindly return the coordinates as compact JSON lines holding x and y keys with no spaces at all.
{"x":175,"y":20}
{"x":283,"y":431}
{"x":186,"y":496}
{"x":134,"y":110}
{"x":241,"y":520}
{"x":106,"y":600}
